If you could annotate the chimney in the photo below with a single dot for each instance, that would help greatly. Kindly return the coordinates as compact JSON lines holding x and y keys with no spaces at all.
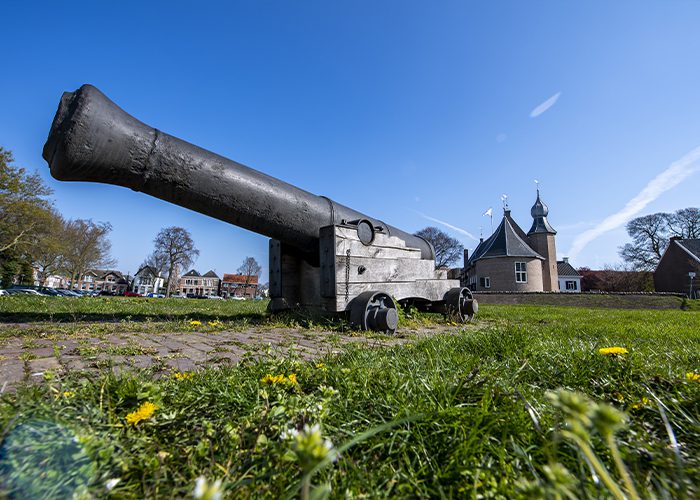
{"x":566,"y":260}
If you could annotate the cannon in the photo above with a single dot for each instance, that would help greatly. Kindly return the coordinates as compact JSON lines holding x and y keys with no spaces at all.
{"x":323,"y":256}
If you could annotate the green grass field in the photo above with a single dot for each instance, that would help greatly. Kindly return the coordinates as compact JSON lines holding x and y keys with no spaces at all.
{"x":469,"y":413}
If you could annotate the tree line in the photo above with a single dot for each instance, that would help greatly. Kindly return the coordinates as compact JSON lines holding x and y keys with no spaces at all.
{"x":35,"y":237}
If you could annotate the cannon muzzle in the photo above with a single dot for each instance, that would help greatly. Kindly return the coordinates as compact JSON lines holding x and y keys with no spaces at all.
{"x":93,"y":139}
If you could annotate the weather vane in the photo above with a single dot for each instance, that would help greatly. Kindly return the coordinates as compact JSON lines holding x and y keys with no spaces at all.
{"x":504,"y":199}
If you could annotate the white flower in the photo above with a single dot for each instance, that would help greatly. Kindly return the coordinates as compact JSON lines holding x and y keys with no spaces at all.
{"x":205,"y":491}
{"x":109,"y":485}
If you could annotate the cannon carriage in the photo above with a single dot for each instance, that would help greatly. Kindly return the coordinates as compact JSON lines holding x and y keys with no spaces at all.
{"x":323,"y":255}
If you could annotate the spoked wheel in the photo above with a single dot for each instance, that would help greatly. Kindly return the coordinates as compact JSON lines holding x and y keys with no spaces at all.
{"x":374,"y":311}
{"x":460,"y":305}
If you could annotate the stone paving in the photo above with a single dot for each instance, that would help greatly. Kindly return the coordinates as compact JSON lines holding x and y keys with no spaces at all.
{"x":27,"y":359}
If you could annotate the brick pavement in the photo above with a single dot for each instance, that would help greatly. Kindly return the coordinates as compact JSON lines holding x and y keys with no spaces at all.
{"x":25,"y":359}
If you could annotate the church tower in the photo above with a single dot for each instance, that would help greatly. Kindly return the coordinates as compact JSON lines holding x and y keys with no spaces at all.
{"x":541,"y":238}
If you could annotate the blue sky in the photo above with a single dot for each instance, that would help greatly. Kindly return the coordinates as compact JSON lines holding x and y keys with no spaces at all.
{"x":407,"y":111}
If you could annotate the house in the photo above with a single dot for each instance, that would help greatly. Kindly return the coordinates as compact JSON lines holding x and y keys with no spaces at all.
{"x":239,"y":285}
{"x":679,"y":268}
{"x":193,"y":283}
{"x":511,"y":260}
{"x":569,"y":278}
{"x":147,"y":280}
{"x":100,"y":280}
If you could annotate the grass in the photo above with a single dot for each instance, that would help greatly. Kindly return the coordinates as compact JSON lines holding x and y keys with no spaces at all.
{"x":456,"y":415}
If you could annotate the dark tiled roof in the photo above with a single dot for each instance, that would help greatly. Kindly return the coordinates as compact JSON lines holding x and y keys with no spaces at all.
{"x":193,"y":273}
{"x":690,"y":246}
{"x":211,"y":274}
{"x":147,"y":269}
{"x":566,"y":269}
{"x":504,"y":242}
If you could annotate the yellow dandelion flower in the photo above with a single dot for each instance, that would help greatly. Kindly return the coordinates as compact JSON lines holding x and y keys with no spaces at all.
{"x":183,"y":375}
{"x":320,"y":366}
{"x":293,"y":378}
{"x":213,"y":323}
{"x":612,"y":351}
{"x":194,"y":322}
{"x":641,"y":404}
{"x":272,"y":379}
{"x":68,"y":394}
{"x":693,"y":377}
{"x":144,"y":412}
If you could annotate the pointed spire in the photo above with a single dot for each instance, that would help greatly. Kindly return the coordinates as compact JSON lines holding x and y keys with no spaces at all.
{"x":539,"y":212}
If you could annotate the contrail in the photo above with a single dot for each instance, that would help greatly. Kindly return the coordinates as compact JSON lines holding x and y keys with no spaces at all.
{"x":454,"y":228}
{"x":545,"y":106}
{"x":676,"y":173}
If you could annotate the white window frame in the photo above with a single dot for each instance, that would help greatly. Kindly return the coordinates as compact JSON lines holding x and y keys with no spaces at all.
{"x":521,"y":272}
{"x":573,"y":283}
{"x":487,"y":281}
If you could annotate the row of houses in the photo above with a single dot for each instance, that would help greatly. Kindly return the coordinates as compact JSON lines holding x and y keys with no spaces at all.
{"x":147,"y":280}
{"x":193,"y":284}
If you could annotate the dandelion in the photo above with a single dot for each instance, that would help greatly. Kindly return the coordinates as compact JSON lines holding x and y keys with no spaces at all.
{"x":144,"y":412}
{"x":205,"y":491}
{"x":194,"y":322}
{"x":213,"y":323}
{"x":692,"y":377}
{"x":640,"y":404}
{"x":183,"y":375}
{"x":65,"y":394}
{"x":321,"y":366}
{"x":612,"y":351}
{"x":280,"y":379}
{"x":272,"y":379}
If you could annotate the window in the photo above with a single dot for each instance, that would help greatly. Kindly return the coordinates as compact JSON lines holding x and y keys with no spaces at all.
{"x":520,"y":272}
{"x":485,"y":282}
{"x":571,"y":285}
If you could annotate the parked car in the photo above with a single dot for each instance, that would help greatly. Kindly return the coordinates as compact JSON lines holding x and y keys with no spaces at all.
{"x":237,"y":298}
{"x":129,"y":293}
{"x":24,"y":291}
{"x":40,"y":290}
{"x":215,"y":297}
{"x":3,"y":292}
{"x":156,"y":295}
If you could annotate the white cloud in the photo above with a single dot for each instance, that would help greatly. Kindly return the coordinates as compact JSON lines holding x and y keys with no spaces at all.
{"x":676,"y":173}
{"x":545,"y":106}
{"x":446,"y":224}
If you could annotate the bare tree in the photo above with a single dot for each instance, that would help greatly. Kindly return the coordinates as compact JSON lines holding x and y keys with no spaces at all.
{"x":174,"y":246}
{"x":248,"y":269}
{"x":447,"y":249}
{"x":684,"y":222}
{"x":88,"y":247}
{"x":156,"y":261}
{"x":649,"y":235}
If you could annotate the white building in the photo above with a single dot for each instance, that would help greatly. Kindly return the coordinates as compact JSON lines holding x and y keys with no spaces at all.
{"x":569,"y":278}
{"x":147,"y":280}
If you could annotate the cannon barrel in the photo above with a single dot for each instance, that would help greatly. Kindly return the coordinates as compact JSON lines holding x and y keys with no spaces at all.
{"x":93,"y":139}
